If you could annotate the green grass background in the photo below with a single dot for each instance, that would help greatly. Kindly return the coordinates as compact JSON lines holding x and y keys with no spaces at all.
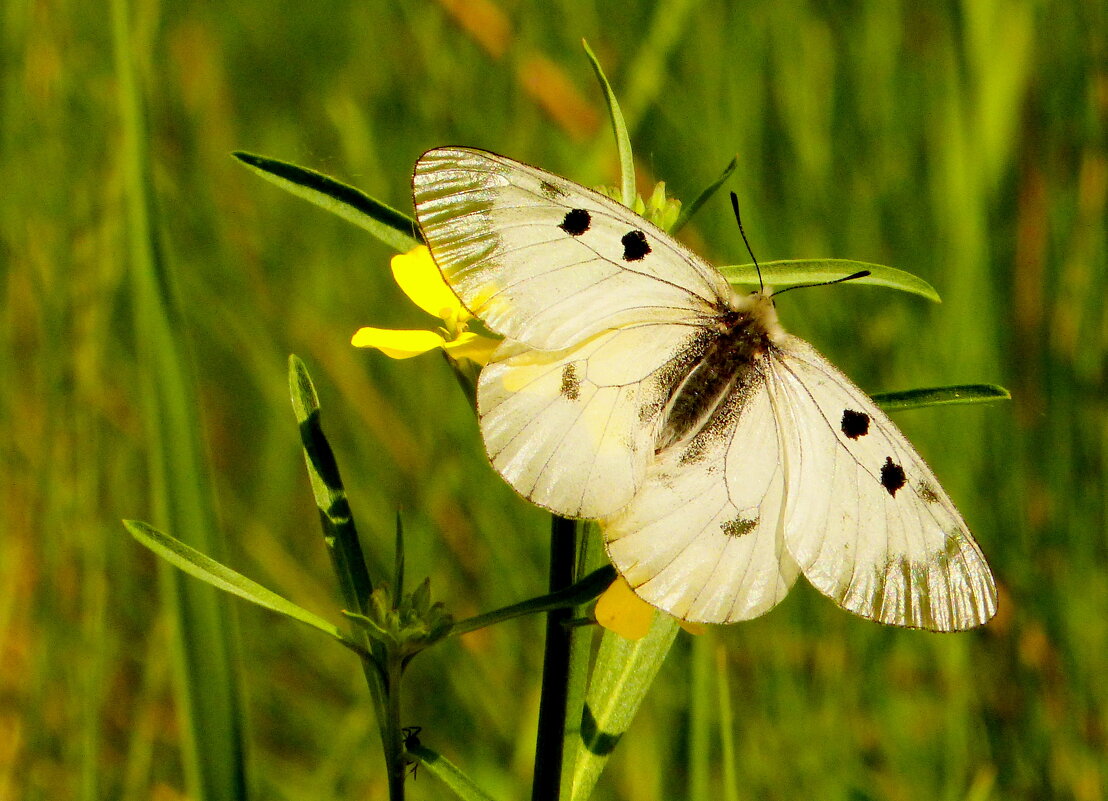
{"x":964,"y":142}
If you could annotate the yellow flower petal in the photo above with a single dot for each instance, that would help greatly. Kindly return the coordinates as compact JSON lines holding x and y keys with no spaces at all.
{"x":620,"y":610}
{"x":397,"y":344}
{"x":416,"y":273}
{"x":472,"y":346}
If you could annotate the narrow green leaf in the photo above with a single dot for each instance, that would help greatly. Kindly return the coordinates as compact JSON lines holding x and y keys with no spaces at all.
{"x":449,"y":773}
{"x":623,"y":673}
{"x":395,"y":229}
{"x":627,"y":189}
{"x":795,"y":272}
{"x":347,"y":559}
{"x":221,"y":577}
{"x":941,"y":396}
{"x":583,"y":591}
{"x":339,"y":531}
{"x":203,"y":639}
{"x":689,"y":209}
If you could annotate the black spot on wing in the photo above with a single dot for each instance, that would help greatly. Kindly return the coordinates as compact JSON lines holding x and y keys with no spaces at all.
{"x":854,"y":424}
{"x":892,"y":476}
{"x":549,"y":191}
{"x":571,"y":383}
{"x":738,"y":527}
{"x":635,"y":246}
{"x":576,"y":222}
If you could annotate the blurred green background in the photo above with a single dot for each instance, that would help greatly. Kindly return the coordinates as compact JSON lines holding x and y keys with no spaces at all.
{"x":964,"y":142}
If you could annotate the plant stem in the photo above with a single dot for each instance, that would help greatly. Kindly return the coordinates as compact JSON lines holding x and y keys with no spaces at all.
{"x":393,"y":740}
{"x":550,"y":741}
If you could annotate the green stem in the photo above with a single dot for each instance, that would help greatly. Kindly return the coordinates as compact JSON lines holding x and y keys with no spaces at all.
{"x":394,"y":740}
{"x":550,"y":741}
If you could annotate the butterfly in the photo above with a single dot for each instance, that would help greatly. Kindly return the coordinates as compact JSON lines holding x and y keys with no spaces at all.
{"x":721,"y":456}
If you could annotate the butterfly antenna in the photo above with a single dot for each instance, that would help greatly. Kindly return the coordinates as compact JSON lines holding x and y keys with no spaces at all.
{"x":739,"y":220}
{"x":852,"y":277}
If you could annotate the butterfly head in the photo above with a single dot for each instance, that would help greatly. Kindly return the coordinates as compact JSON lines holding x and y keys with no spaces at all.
{"x":756,"y":314}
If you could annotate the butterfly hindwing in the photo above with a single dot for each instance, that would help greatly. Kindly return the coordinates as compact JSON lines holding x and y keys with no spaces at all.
{"x":548,"y":262}
{"x":703,"y":539}
{"x":866,"y":519}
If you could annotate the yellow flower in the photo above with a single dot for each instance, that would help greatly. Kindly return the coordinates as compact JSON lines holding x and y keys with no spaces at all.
{"x":416,"y":274}
{"x":618,"y":609}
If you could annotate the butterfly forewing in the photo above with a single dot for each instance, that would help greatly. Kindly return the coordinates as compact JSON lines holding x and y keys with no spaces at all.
{"x":545,"y":261}
{"x":866,"y":519}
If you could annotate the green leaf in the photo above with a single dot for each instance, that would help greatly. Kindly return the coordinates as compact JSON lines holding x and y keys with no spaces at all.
{"x":690,"y":209}
{"x":623,"y":673}
{"x":584,"y":590}
{"x":449,"y":773}
{"x":345,"y":550}
{"x":796,"y":272}
{"x":941,"y":396}
{"x":395,"y":229}
{"x":339,"y":531}
{"x":619,"y":129}
{"x":221,"y":577}
{"x":373,"y":629}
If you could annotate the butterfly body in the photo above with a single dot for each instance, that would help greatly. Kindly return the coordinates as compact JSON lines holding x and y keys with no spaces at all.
{"x":746,"y":330}
{"x":722,"y":456}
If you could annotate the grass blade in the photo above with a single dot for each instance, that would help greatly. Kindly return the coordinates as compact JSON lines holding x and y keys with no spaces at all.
{"x":221,"y":577}
{"x":956,"y":394}
{"x":203,"y":639}
{"x":623,"y":673}
{"x":395,"y":229}
{"x":793,"y":272}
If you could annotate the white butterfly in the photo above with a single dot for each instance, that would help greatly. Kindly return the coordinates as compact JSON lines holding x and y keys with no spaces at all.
{"x":720,"y":455}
